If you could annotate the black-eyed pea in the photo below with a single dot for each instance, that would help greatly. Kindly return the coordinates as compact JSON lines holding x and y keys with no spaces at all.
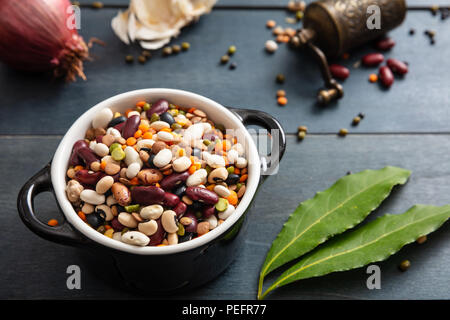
{"x":152,"y":212}
{"x":104,"y":184}
{"x":203,"y":228}
{"x":127,"y":220}
{"x":169,"y":221}
{"x":172,"y":238}
{"x":87,"y":208}
{"x":105,"y":212}
{"x":218,"y":175}
{"x":148,"y":228}
{"x":135,"y":238}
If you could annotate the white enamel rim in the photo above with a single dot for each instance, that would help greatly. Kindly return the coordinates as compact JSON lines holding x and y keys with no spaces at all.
{"x":121,"y":102}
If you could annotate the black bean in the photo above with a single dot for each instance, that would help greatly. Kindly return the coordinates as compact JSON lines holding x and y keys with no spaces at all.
{"x":150,"y":160}
{"x":196,"y":205}
{"x":196,"y":152}
{"x":232,"y":179}
{"x":186,"y":237}
{"x":95,"y":219}
{"x":167,"y":117}
{"x":116,"y":121}
{"x":233,"y":66}
{"x":180,"y":190}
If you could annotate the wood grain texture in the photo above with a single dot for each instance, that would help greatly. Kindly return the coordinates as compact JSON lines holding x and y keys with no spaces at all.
{"x":37,"y":268}
{"x":406,"y":107}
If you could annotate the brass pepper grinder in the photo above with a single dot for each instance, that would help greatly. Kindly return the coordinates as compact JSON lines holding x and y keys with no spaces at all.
{"x":333,"y":27}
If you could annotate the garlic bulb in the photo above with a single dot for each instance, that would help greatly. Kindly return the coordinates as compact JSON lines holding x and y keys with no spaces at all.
{"x":154,"y":22}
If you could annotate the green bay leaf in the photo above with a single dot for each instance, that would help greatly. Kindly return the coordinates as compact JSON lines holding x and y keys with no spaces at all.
{"x":331,"y":212}
{"x":375,"y":241}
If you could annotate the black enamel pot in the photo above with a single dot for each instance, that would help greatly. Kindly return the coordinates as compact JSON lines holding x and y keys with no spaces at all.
{"x":173,"y":268}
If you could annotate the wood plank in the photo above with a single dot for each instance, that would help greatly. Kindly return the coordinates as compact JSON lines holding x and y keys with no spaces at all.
{"x":37,"y":268}
{"x":418,"y":103}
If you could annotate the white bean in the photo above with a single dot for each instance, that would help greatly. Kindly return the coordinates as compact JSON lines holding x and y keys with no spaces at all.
{"x":101,"y":149}
{"x":127,"y":220}
{"x":165,"y":136}
{"x":111,"y":200}
{"x":102,"y":118}
{"x":114,"y":132}
{"x":232,"y":156}
{"x":87,"y":208}
{"x":241,"y":163}
{"x":271,"y":46}
{"x":239,"y":148}
{"x":222,"y":191}
{"x":215,"y":161}
{"x":133,"y":169}
{"x":159,"y":125}
{"x":131,"y":156}
{"x":151,"y":212}
{"x":228,"y":212}
{"x":148,"y":228}
{"x":168,"y":221}
{"x":181,"y":164}
{"x":212,"y":222}
{"x":163,"y":158}
{"x":198,"y":177}
{"x":135,"y":238}
{"x":92,"y":197}
{"x":104,"y":184}
{"x":117,"y":236}
{"x":133,"y":113}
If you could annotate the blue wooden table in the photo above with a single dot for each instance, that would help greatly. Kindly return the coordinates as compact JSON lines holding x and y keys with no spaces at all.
{"x":405,"y":126}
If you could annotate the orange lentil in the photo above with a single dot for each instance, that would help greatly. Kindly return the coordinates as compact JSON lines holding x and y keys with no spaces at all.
{"x":225,"y":158}
{"x":270,"y":23}
{"x":166,"y":129}
{"x":167,"y":172}
{"x":157,"y":185}
{"x":345,"y":56}
{"x":232,"y":198}
{"x":237,"y":171}
{"x":181,"y":152}
{"x":124,"y":146}
{"x":234,"y":140}
{"x":140,"y":104}
{"x":131,"y":141}
{"x":82,"y":215}
{"x":52,"y":222}
{"x":147,"y":135}
{"x":161,"y":245}
{"x":192,"y":169}
{"x":244,"y":171}
{"x":279,"y":38}
{"x":285,"y":39}
{"x":243,"y":178}
{"x":127,"y":112}
{"x":134,"y":181}
{"x":107,"y":227}
{"x":103,"y":165}
{"x":78,"y":168}
{"x":144,"y":127}
{"x":138,"y":133}
{"x":192,"y":159}
{"x":282,"y":101}
{"x":373,"y":77}
{"x":211,"y":187}
{"x":197,"y":165}
{"x":191,"y":110}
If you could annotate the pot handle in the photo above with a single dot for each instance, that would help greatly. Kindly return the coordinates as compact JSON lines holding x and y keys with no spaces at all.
{"x":63,"y":233}
{"x":248,"y":117}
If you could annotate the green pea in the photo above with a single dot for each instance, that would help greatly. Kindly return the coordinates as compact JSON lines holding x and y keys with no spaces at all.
{"x":220,"y":127}
{"x":101,"y":229}
{"x":176,"y":126}
{"x":198,"y":214}
{"x":238,"y":186}
{"x":139,"y":109}
{"x":114,"y":146}
{"x":231,"y":49}
{"x":146,"y":107}
{"x":124,"y":230}
{"x":182,"y":112}
{"x":181,"y":230}
{"x":185,"y":46}
{"x":132,"y":208}
{"x":208,"y":169}
{"x":118,"y":154}
{"x":230,"y":170}
{"x":154,"y":117}
{"x":222,"y":204}
{"x":206,"y":142}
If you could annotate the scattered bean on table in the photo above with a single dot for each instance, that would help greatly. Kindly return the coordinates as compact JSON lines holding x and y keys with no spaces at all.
{"x":164,"y":174}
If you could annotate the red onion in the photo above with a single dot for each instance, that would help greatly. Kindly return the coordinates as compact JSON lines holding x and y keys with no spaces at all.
{"x":36,"y":35}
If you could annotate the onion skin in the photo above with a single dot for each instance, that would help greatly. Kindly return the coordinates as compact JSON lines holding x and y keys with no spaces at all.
{"x":35,"y":36}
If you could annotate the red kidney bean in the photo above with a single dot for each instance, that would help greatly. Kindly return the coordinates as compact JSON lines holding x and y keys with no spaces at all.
{"x":159,"y":107}
{"x":193,"y":226}
{"x":169,"y":182}
{"x":386,"y":76}
{"x":131,"y":126}
{"x":116,"y":225}
{"x":74,"y":159}
{"x":99,"y":139}
{"x":397,"y":66}
{"x":385,"y":44}
{"x":180,"y":208}
{"x":372,"y":59}
{"x":87,"y":155}
{"x":85,"y":177}
{"x":158,"y":236}
{"x":339,"y":72}
{"x":208,"y":211}
{"x":202,"y":194}
{"x":170,"y":199}
{"x":147,"y":195}
{"x":119,"y":126}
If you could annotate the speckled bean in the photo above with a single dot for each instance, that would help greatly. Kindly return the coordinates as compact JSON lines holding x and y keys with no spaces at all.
{"x":121,"y":193}
{"x":150,"y":176}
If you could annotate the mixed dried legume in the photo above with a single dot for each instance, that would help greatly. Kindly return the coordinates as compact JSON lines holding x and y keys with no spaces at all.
{"x":159,"y":174}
